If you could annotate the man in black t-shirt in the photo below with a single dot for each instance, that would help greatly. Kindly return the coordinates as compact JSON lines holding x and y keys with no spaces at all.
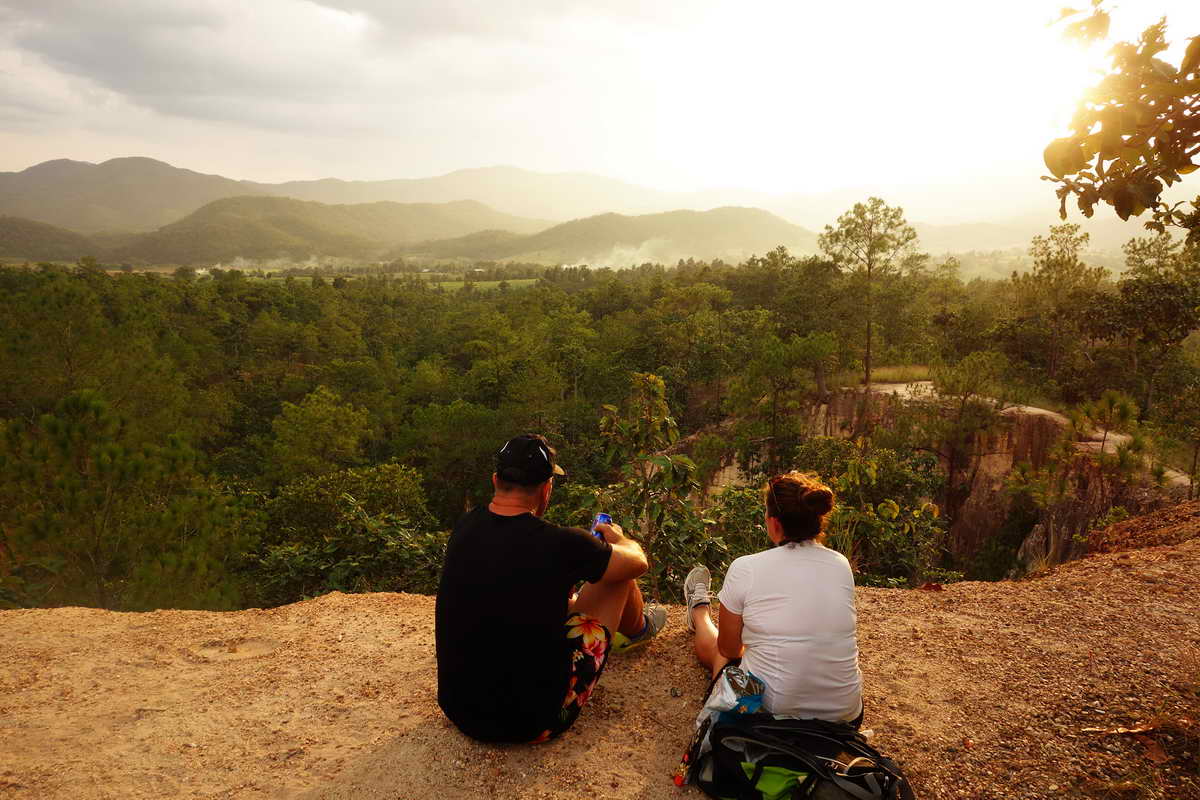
{"x":517,"y":656}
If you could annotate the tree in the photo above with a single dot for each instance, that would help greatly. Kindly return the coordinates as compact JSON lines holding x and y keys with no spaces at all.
{"x":87,"y":519}
{"x":776,"y":372}
{"x":308,"y":509}
{"x":945,"y":286}
{"x":318,"y":435}
{"x":454,"y":447}
{"x":1161,"y":256}
{"x":654,"y":486}
{"x":1135,"y":133}
{"x":361,"y":553}
{"x":690,"y":328}
{"x":1057,"y":289}
{"x":1153,"y":314}
{"x":1179,"y":418}
{"x":874,"y":242}
{"x":1111,"y":411}
{"x":954,"y":419}
{"x":69,"y":331}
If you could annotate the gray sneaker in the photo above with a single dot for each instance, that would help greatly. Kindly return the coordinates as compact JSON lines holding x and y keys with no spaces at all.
{"x":696,"y":591}
{"x":656,"y":620}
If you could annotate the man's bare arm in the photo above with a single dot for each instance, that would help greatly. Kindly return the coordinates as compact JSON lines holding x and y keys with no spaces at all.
{"x":628,"y":560}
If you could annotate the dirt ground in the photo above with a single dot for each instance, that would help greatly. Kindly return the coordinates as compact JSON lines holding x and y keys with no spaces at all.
{"x":1002,"y":690}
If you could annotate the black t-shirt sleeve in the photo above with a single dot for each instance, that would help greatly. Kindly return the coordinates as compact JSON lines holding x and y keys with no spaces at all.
{"x":586,"y":556}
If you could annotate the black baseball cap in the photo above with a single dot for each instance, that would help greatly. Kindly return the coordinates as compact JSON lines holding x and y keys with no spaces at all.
{"x":527,"y":459}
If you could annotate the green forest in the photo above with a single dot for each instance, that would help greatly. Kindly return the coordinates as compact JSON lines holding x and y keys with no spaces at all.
{"x":226,"y":439}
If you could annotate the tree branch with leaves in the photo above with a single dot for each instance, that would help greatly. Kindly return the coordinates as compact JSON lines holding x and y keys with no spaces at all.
{"x":1135,"y":133}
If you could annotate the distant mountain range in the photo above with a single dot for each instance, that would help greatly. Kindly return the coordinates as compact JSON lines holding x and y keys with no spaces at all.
{"x":274,"y":227}
{"x":263,"y":228}
{"x":620,"y":240}
{"x":280,"y":227}
{"x":141,"y":195}
{"x":37,"y":241}
{"x":124,"y":194}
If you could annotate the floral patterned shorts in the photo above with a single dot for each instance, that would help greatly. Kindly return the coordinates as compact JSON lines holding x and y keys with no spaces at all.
{"x":590,"y":644}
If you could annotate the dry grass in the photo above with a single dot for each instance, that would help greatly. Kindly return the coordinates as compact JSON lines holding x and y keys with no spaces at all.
{"x":1172,"y":740}
{"x":905,"y":373}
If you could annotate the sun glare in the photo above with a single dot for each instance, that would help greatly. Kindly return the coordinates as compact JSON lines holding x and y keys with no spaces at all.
{"x":815,"y":98}
{"x":804,"y":102}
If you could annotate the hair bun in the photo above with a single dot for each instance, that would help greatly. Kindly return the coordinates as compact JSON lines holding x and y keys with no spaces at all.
{"x":819,"y":501}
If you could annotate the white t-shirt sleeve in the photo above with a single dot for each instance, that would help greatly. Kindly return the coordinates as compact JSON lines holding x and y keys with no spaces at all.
{"x":736,"y":586}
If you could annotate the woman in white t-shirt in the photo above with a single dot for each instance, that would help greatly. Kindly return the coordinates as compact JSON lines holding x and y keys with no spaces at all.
{"x":788,"y":611}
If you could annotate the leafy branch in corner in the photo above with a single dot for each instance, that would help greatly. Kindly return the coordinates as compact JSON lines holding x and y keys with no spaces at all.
{"x":1135,"y":133}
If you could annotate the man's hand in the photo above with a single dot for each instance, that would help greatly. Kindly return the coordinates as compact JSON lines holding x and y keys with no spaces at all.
{"x":611,"y":531}
{"x":628,"y":560}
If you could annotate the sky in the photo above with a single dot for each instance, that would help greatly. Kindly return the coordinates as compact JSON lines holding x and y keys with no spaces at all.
{"x":771,"y":95}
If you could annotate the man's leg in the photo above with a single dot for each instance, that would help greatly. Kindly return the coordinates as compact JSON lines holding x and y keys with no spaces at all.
{"x":618,"y":606}
{"x":633,"y":620}
{"x":706,"y":640}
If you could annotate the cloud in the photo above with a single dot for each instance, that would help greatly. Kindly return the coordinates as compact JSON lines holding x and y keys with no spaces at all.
{"x":791,"y":97}
{"x":419,"y":88}
{"x":200,"y":59}
{"x":515,"y":20}
{"x":336,"y":65}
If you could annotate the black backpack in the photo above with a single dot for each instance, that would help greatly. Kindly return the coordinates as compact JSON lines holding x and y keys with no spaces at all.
{"x":758,"y":757}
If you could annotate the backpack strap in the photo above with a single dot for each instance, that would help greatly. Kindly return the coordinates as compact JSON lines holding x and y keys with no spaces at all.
{"x":822,"y":770}
{"x":804,"y":789}
{"x":873,"y":792}
{"x":778,"y":736}
{"x":758,"y":771}
{"x":844,"y":736}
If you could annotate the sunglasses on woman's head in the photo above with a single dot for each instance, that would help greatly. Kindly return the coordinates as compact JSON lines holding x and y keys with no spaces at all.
{"x":771,"y":491}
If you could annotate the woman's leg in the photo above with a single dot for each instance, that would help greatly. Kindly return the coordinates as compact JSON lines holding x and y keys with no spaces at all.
{"x":706,"y":640}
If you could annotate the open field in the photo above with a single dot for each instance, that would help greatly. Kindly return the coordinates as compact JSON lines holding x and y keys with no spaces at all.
{"x":903,"y":373}
{"x":485,"y":286}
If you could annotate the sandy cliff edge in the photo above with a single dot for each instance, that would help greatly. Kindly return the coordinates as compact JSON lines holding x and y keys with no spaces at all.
{"x":981,"y":691}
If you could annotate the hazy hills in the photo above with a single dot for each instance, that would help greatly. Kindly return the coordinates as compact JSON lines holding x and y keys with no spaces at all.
{"x":263,"y":228}
{"x":279,"y":227}
{"x":143,"y":195}
{"x":620,"y":240}
{"x":25,"y":238}
{"x":272,"y":227}
{"x":123,"y":194}
{"x":555,"y":196}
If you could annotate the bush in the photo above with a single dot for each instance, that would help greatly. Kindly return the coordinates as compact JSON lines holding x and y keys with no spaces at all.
{"x":363,"y":553}
{"x":310,"y":508}
{"x":87,"y":518}
{"x":887,"y":541}
{"x":909,"y":479}
{"x":354,"y":530}
{"x":884,"y":522}
{"x":574,"y":504}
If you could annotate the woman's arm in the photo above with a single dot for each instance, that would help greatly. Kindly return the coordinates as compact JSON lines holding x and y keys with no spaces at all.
{"x":729,"y":634}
